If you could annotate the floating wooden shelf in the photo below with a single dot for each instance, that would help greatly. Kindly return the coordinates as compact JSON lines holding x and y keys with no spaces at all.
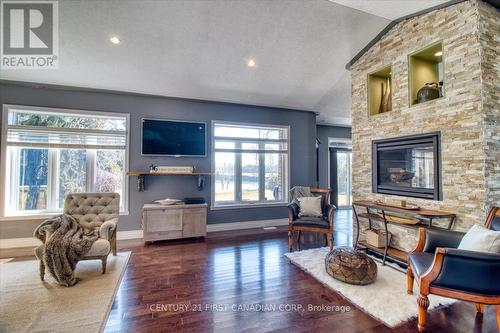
{"x":425,"y":66}
{"x":142,"y":174}
{"x":377,"y":85}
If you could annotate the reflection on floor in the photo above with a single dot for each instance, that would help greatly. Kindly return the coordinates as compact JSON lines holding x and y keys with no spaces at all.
{"x":211,"y":285}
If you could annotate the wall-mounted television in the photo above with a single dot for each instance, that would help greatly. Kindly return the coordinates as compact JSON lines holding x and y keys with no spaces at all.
{"x":173,"y":138}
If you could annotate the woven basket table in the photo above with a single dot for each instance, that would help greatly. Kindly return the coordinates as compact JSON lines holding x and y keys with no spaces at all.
{"x":350,"y":266}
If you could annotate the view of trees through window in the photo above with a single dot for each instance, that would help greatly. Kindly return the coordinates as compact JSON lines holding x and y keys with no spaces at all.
{"x":39,"y":169}
{"x":33,"y":176}
{"x":41,"y":119}
{"x":250,"y":164}
{"x":109,"y":171}
{"x":72,"y":172}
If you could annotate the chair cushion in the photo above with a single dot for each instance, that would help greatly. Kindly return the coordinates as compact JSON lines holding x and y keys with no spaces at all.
{"x":101,"y":247}
{"x":310,"y":206}
{"x":310,"y":221}
{"x":481,"y":239}
{"x":421,"y":262}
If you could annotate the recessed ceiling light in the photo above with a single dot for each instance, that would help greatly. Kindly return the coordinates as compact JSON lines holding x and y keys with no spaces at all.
{"x":115,"y":40}
{"x":251,"y":63}
{"x":438,"y":53}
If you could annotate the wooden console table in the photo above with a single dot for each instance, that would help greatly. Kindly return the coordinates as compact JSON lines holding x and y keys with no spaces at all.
{"x":381,"y":213}
{"x":173,"y":221}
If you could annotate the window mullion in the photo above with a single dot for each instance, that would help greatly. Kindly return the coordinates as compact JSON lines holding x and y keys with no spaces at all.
{"x":90,"y":169}
{"x":262,"y":174}
{"x":14,"y":182}
{"x":284,"y":172}
{"x":238,"y":175}
{"x":53,"y":179}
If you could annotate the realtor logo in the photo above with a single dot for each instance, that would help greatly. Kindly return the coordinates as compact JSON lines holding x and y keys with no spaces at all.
{"x":29,"y":36}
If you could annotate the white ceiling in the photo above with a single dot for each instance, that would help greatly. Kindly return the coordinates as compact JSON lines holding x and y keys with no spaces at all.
{"x":390,"y":9}
{"x":198,"y":49}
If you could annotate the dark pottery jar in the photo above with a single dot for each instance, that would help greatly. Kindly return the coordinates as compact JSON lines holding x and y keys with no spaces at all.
{"x":428,"y":92}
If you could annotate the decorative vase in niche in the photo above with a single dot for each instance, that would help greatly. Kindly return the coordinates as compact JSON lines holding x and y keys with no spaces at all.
{"x":381,"y":106}
{"x":428,"y":92}
{"x":385,"y":98}
{"x":388,"y":96}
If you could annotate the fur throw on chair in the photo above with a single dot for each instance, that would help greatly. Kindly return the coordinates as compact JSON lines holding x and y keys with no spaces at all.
{"x":65,"y":243}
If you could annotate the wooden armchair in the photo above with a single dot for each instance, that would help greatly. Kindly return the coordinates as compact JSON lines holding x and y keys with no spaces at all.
{"x":322,"y":225}
{"x":442,"y":269}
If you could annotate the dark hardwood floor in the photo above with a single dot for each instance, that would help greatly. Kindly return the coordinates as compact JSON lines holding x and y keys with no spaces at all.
{"x":166,"y":281}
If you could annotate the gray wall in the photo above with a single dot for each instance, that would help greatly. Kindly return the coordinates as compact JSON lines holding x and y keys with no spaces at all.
{"x":302,"y":142}
{"x":323,"y":133}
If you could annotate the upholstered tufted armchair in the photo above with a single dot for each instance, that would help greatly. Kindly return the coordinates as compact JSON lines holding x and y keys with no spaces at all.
{"x":93,"y":211}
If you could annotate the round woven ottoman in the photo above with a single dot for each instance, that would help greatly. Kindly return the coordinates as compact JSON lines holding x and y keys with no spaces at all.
{"x":350,"y":266}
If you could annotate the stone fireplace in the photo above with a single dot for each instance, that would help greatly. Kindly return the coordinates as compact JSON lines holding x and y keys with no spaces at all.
{"x":408,"y":166}
{"x":462,"y":176}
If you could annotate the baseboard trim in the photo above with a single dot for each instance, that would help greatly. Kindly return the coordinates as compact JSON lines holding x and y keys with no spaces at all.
{"x":9,"y":243}
{"x":134,"y":234}
{"x":246,"y":225}
{"x":129,"y":234}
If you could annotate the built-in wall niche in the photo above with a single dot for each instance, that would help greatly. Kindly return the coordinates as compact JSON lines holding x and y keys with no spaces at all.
{"x":380,"y":91}
{"x":426,"y":74}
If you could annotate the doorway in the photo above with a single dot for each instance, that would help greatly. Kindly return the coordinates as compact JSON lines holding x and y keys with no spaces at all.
{"x":341,"y":176}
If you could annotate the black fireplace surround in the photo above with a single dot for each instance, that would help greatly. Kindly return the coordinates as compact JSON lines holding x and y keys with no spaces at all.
{"x":408,"y":166}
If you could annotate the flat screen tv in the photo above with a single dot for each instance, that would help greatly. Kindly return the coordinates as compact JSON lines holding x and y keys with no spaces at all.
{"x":173,"y":138}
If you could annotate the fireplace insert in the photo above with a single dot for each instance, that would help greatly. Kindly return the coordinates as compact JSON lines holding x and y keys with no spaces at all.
{"x":408,"y":166}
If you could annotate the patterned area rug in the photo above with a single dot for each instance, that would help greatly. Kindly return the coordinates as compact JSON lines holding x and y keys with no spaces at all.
{"x":30,"y":305}
{"x":386,"y":299}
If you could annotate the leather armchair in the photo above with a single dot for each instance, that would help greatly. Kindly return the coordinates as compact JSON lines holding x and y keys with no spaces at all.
{"x":442,"y":269}
{"x":322,"y":225}
{"x":92,"y":211}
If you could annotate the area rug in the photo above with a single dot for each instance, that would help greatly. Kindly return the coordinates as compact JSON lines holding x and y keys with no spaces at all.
{"x":29,"y":305}
{"x":386,"y":299}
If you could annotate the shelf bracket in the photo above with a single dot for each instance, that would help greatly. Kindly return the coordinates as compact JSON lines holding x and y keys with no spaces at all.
{"x":140,"y":183}
{"x":201,"y":182}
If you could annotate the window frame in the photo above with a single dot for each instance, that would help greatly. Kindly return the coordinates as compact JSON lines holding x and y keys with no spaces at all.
{"x":52,"y":165}
{"x":249,"y":204}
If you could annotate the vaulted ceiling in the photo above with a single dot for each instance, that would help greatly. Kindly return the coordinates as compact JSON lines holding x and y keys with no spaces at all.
{"x":200,"y":49}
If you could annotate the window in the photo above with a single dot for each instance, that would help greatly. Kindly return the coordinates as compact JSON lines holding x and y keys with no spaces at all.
{"x":48,"y":153}
{"x":250,"y":164}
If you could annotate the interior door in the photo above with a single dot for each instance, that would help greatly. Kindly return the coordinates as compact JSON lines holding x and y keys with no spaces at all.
{"x":341,"y":176}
